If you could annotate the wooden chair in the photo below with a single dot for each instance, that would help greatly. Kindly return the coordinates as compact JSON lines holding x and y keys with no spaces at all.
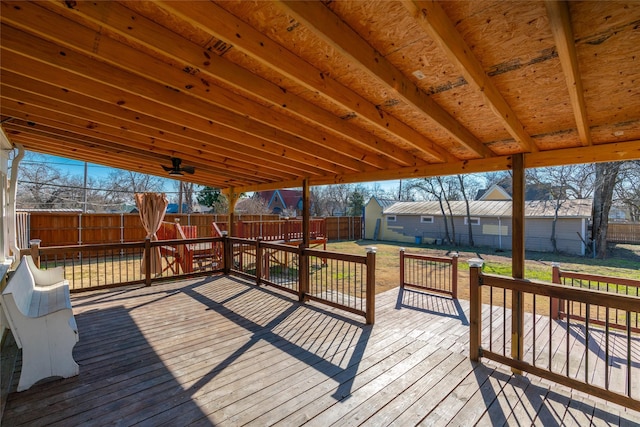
{"x":172,"y":254}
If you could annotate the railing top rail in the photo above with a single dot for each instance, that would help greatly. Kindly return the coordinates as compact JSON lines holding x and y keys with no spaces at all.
{"x":97,"y":246}
{"x":446,"y":259}
{"x":600,"y":278}
{"x":279,"y":246}
{"x":319,"y":253}
{"x":590,"y":296}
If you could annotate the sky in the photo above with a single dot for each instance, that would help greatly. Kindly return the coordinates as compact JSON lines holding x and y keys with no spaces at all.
{"x":99,"y":172}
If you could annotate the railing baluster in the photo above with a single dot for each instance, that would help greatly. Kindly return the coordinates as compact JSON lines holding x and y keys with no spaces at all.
{"x":628,"y":354}
{"x":586,"y":343}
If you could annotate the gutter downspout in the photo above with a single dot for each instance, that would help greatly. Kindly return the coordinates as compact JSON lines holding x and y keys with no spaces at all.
{"x":11,"y":206}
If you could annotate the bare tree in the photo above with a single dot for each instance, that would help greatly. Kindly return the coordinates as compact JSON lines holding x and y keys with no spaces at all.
{"x":463,"y":190}
{"x":627,"y":192}
{"x":606,"y":179}
{"x":433,"y":189}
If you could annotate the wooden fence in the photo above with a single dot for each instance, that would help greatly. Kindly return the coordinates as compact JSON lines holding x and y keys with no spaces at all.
{"x":72,"y":228}
{"x":624,"y":233}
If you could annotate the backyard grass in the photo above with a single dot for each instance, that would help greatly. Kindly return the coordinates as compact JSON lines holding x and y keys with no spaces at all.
{"x":624,"y":261}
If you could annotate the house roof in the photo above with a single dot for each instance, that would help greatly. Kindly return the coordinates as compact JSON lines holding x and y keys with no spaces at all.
{"x":382,"y":202}
{"x":263,"y":95}
{"x":288,"y":198}
{"x":579,"y":208}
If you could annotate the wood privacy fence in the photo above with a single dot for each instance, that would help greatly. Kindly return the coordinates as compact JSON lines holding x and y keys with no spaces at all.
{"x":72,"y":228}
{"x":624,"y":233}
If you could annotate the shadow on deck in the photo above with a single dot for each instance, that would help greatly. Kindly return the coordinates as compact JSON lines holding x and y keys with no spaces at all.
{"x":220,"y":351}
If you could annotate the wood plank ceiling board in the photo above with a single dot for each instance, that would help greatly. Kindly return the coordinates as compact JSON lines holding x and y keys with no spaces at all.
{"x":264,"y":95}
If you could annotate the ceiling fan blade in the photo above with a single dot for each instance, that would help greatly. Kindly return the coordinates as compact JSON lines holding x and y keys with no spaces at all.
{"x":167,"y":168}
{"x":188,"y":169}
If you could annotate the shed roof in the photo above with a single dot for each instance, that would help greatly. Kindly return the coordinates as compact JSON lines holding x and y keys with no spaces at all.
{"x":577,"y":208}
{"x":261,"y":95}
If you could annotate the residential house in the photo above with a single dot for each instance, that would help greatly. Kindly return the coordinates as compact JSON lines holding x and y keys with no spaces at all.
{"x":279,"y":202}
{"x":373,"y":209}
{"x":423,"y":222}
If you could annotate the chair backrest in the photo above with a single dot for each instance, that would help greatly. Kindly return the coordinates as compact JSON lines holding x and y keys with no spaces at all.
{"x":167,"y":231}
{"x":21,"y":286}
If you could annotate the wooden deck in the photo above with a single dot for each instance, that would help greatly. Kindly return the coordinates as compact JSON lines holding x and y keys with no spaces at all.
{"x":220,"y":351}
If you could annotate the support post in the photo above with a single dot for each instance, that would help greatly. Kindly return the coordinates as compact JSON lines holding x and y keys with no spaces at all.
{"x":34,"y":246}
{"x":454,"y":275}
{"x":371,"y":285}
{"x":555,"y":302}
{"x":518,"y":257}
{"x":259,"y":261}
{"x":227,"y":249}
{"x":475,"y":309}
{"x":147,"y":261}
{"x":232,"y":197}
{"x":303,"y":271}
{"x":306,"y":213}
{"x":402,"y":268}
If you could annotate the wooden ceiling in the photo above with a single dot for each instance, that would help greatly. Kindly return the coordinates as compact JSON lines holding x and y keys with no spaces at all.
{"x":261,"y":95}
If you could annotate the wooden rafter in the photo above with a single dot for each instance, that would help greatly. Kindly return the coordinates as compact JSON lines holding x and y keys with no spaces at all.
{"x":437,"y":24}
{"x":560,"y":21}
{"x":265,"y":95}
{"x":218,"y":22}
{"x":145,"y":74}
{"x":116,"y":18}
{"x":44,"y":102}
{"x":616,"y":152}
{"x":333,"y":30}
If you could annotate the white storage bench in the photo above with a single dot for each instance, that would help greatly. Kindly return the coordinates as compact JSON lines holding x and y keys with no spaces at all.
{"x":37,"y":306}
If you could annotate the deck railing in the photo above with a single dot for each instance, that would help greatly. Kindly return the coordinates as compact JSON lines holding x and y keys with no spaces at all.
{"x":91,"y":267}
{"x":343,"y":281}
{"x":587,"y":356}
{"x":286,"y":230}
{"x":431,"y":273}
{"x":597,"y":314}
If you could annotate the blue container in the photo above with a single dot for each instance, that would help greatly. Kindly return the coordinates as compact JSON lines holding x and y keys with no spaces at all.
{"x":418,"y":240}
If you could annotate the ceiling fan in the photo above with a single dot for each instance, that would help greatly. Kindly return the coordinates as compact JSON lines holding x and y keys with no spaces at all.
{"x":176,"y":170}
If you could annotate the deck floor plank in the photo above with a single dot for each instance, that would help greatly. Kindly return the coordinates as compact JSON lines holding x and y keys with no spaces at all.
{"x":221,"y":351}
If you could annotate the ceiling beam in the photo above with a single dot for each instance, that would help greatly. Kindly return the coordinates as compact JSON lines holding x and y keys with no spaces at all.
{"x":45,"y":101}
{"x":432,"y":18}
{"x":560,"y":22}
{"x":64,"y":128}
{"x":82,"y":153}
{"x":42,"y":61}
{"x":138,"y":73}
{"x":326,"y":25}
{"x":121,"y":148}
{"x":613,"y":152}
{"x":221,"y":24}
{"x":126,"y":23}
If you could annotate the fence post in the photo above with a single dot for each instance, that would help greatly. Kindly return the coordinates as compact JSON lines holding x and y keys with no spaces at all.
{"x":454,"y":275}
{"x":147,"y":261}
{"x":34,"y":244}
{"x":555,"y":302}
{"x":402,"y":268}
{"x":303,"y":273}
{"x":371,"y":285}
{"x":475,"y":309}
{"x":228,"y":252}
{"x":258,"y":261}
